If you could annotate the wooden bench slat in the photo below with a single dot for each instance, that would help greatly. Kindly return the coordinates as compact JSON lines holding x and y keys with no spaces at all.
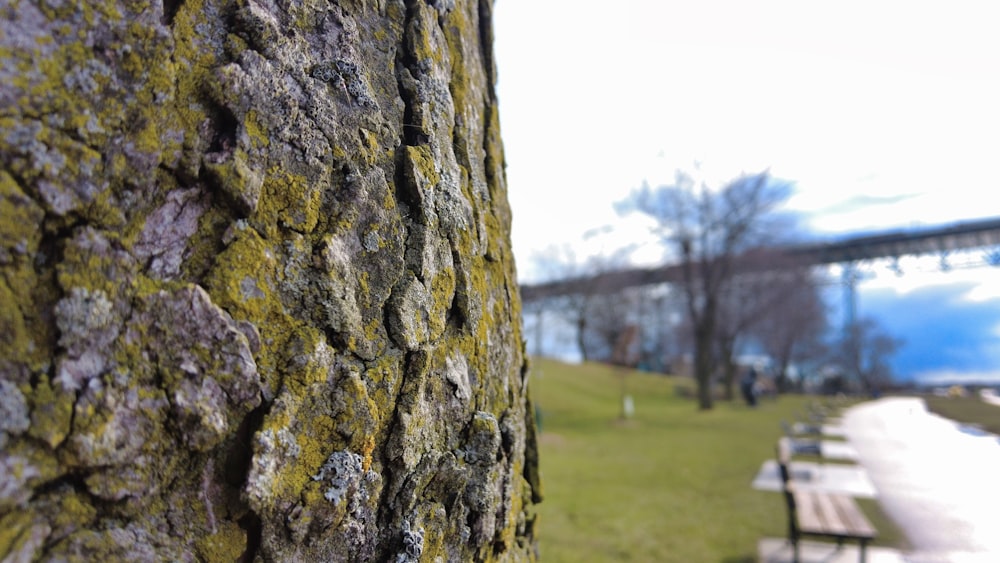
{"x":832,"y":522}
{"x":808,"y":516}
{"x":818,"y":513}
{"x":851,"y":515}
{"x":835,"y":515}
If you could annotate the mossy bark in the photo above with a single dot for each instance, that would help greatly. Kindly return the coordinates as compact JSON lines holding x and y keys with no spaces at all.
{"x":257,"y":295}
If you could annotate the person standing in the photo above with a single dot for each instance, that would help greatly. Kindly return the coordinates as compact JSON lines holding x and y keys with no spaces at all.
{"x":747,"y":386}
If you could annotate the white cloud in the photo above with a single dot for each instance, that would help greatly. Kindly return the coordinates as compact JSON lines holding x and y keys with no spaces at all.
{"x":879,"y":99}
{"x":951,"y":377}
{"x":857,"y":98}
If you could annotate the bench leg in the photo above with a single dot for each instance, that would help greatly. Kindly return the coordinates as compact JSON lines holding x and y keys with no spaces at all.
{"x":861,"y":557}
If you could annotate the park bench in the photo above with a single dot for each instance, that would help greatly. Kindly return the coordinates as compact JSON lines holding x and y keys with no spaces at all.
{"x":819,"y":514}
{"x":801,"y":429}
{"x":801,"y":446}
{"x":825,"y":449}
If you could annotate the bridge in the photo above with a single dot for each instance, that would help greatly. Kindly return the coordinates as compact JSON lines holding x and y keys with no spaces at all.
{"x":940,"y":240}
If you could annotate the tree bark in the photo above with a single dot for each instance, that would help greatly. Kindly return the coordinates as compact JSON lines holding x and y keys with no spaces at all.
{"x":704,"y":364}
{"x":257,"y":294}
{"x":581,"y":337}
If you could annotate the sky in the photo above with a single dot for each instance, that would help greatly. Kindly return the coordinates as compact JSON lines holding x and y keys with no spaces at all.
{"x":883,"y":114}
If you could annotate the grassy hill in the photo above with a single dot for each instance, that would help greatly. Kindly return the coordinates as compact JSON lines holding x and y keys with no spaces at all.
{"x":670,"y":484}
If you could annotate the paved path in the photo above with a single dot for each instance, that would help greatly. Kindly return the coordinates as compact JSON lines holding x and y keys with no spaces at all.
{"x":938,"y":480}
{"x":990,"y":396}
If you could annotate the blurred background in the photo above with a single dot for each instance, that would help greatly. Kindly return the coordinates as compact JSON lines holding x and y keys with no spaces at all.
{"x":871,"y":117}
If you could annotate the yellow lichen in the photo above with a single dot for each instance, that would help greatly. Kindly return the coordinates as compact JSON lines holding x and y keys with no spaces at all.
{"x":242,"y":277}
{"x":369,"y":146}
{"x":308,"y":343}
{"x":15,"y":342}
{"x":315,"y":437}
{"x":14,"y":529}
{"x":241,"y":281}
{"x":358,"y":413}
{"x":457,"y":32}
{"x":367,"y":448}
{"x":287,"y":199}
{"x":194,"y":57}
{"x":373,"y":329}
{"x":19,"y":282}
{"x":255,"y":130}
{"x":227,"y":544}
{"x":422,"y":45}
{"x":82,"y":268}
{"x":425,"y":168}
{"x":442,"y":288}
{"x":204,"y":246}
{"x":105,"y":211}
{"x":74,"y":510}
{"x":51,"y":413}
{"x":35,"y":465}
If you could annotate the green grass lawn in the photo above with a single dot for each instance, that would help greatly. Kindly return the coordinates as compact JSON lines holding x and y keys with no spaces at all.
{"x":967,"y":410}
{"x":671,"y":484}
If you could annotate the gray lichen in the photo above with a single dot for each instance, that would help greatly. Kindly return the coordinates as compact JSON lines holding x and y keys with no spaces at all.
{"x":413,"y":544}
{"x":15,"y":473}
{"x":484,"y":439}
{"x":13,"y":411}
{"x":87,"y":326}
{"x":342,"y":472}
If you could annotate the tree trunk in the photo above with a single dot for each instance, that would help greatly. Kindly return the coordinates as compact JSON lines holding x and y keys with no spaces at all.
{"x":257,"y":295}
{"x":783,"y":384}
{"x":581,"y":338}
{"x":729,"y":383}
{"x":729,"y":369}
{"x":703,"y":364}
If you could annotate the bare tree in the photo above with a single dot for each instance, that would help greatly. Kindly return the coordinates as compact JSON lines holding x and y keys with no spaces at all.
{"x":865,"y":352}
{"x":792,"y":329}
{"x":659,"y":312}
{"x":707,"y":230}
{"x":613,"y":314}
{"x":741,"y":304}
{"x":738,"y":311}
{"x":560,"y":263}
{"x":764,"y":282}
{"x":598,"y":308}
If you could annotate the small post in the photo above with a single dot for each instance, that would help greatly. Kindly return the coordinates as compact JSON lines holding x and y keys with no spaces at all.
{"x":625,"y":357}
